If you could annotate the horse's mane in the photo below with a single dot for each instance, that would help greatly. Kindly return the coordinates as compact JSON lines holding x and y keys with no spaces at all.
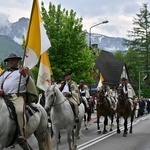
{"x":54,"y":88}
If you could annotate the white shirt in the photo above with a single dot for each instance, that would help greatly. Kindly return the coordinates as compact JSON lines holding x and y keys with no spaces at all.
{"x":11,"y":83}
{"x":66,"y":88}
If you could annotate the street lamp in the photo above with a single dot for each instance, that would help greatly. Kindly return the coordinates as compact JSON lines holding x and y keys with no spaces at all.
{"x":140,"y":81}
{"x":91,"y":28}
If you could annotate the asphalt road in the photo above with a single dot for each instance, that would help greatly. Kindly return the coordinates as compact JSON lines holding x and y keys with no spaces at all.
{"x":91,"y":140}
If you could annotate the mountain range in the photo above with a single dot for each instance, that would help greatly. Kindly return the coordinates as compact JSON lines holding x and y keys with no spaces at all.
{"x":11,"y":39}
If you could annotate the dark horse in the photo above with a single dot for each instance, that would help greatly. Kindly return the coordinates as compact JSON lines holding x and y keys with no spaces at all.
{"x":103,"y":109}
{"x":124,"y":110}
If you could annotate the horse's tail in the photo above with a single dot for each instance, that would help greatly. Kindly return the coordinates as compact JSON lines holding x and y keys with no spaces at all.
{"x":40,"y":96}
{"x":47,"y":141}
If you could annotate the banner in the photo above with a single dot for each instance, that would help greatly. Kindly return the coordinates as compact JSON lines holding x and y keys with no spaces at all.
{"x":45,"y":72}
{"x":37,"y":41}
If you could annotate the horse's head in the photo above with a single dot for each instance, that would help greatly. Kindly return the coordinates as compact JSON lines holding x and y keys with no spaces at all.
{"x":121,"y":95}
{"x":120,"y":91}
{"x":50,"y":97}
{"x":100,"y":96}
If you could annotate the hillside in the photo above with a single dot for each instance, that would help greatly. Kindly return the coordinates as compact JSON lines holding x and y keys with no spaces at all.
{"x":7,"y":45}
{"x":12,"y":33}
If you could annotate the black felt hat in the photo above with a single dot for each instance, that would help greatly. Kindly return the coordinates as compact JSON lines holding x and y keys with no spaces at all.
{"x":81,"y":81}
{"x":67,"y":73}
{"x":12,"y":56}
{"x":123,"y":79}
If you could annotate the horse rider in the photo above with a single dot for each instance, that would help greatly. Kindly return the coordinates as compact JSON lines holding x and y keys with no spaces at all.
{"x":84,"y":92}
{"x":13,"y":85}
{"x":128,"y":90}
{"x":107,"y":92}
{"x":71,"y":91}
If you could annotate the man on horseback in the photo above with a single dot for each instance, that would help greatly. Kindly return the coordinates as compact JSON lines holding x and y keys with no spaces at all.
{"x":128,"y":90}
{"x":84,"y":91}
{"x":71,"y":91}
{"x":13,"y":82}
{"x":106,"y":89}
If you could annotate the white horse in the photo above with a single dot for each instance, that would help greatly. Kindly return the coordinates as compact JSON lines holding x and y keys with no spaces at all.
{"x":36,"y":124}
{"x":81,"y":116}
{"x":62,"y":116}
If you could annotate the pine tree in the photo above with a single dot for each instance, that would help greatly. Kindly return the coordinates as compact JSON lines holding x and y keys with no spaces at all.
{"x":139,"y":38}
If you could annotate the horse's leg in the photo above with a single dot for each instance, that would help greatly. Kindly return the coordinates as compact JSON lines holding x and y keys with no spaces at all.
{"x":78,"y":129}
{"x":88,"y":117}
{"x":56,"y":138}
{"x":117,"y":120}
{"x":105,"y":124}
{"x":74,"y":137}
{"x":112,"y":120}
{"x":98,"y":127}
{"x":70,"y":139}
{"x":89,"y":112}
{"x":85,"y":121}
{"x":125,"y":127}
{"x":132,"y":117}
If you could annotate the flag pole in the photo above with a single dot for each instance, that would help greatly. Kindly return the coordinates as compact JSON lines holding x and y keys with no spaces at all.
{"x":26,"y":41}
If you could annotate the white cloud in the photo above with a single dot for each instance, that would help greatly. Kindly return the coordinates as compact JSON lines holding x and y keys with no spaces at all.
{"x":119,"y":13}
{"x":4,"y":20}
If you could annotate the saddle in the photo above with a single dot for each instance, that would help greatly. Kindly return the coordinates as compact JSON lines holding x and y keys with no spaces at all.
{"x":29,"y":111}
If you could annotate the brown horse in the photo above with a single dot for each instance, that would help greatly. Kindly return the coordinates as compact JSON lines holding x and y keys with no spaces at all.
{"x":103,"y":109}
{"x":124,"y":110}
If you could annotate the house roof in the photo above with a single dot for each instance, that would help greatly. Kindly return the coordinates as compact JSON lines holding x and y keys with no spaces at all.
{"x":109,"y":67}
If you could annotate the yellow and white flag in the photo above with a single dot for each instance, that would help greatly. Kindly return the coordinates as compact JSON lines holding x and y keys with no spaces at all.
{"x":45,"y":72}
{"x":1,"y":70}
{"x":37,"y":40}
{"x":101,"y":79}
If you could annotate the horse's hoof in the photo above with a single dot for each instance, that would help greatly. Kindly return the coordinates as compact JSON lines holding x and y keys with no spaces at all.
{"x":86,"y":128}
{"x":124,"y":135}
{"x":75,"y":147}
{"x":104,"y":132}
{"x":118,"y":131}
{"x":99,"y":131}
{"x":110,"y":130}
{"x":13,"y":146}
{"x":131,"y":131}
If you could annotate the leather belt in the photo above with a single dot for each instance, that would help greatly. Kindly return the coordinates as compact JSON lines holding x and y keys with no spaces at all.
{"x":10,"y":95}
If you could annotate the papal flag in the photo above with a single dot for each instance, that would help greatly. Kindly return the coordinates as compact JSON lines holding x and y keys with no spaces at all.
{"x":37,"y":40}
{"x":45,"y":72}
{"x":1,"y":70}
{"x":101,"y":79}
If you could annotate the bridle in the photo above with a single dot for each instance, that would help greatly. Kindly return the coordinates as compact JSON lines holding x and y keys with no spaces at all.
{"x":102,"y":97}
{"x":121,"y":96}
{"x":53,"y":97}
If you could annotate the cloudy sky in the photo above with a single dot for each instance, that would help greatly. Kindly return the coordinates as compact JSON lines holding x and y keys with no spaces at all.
{"x":119,"y":13}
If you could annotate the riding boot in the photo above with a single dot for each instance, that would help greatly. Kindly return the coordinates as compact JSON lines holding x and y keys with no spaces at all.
{"x":76,"y":113}
{"x":24,"y":144}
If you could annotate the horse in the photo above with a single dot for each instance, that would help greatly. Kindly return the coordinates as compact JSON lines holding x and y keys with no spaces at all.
{"x":81,"y":117}
{"x":103,"y":109}
{"x":36,"y":124}
{"x":124,"y":110}
{"x":62,"y":116}
{"x":88,"y":111}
